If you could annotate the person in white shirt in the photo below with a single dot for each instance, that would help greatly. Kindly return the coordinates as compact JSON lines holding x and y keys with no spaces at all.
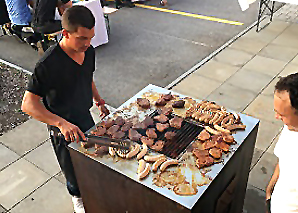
{"x":282,"y":190}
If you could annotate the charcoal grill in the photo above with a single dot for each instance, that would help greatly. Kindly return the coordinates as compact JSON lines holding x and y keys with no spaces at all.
{"x":110,"y":187}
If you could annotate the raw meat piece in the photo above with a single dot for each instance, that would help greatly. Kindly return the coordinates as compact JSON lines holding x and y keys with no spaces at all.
{"x":176,"y":122}
{"x":170,"y":135}
{"x":162,"y":127}
{"x":144,"y":103}
{"x":151,"y":133}
{"x":147,"y":141}
{"x":162,"y":118}
{"x":134,"y":135}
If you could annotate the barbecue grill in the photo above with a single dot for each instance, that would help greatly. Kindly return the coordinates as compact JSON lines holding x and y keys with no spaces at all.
{"x":108,"y":186}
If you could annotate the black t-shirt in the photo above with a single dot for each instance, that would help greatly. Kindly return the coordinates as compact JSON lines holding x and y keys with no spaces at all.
{"x":65,"y":86}
{"x":45,"y":11}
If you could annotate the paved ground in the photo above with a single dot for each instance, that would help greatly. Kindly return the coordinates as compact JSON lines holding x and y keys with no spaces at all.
{"x":148,"y":46}
{"x":241,"y":77}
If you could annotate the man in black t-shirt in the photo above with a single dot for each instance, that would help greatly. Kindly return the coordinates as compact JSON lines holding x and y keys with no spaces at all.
{"x":61,"y":90}
{"x":44,"y":15}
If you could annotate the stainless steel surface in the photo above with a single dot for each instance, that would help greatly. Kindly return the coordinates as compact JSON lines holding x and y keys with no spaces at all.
{"x":128,"y":168}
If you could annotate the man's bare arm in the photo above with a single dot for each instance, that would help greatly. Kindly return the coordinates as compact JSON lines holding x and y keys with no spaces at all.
{"x":33,"y":106}
{"x":97,"y":98}
{"x":272,"y":182}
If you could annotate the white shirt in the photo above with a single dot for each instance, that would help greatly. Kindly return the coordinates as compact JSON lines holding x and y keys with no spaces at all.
{"x":285,"y":195}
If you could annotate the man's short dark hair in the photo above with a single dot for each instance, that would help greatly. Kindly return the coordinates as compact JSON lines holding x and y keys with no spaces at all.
{"x":77,"y":16}
{"x":289,"y":84}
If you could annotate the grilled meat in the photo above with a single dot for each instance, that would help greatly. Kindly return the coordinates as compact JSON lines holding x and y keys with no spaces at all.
{"x":162,"y":127}
{"x":100,"y":131}
{"x":178,"y":104}
{"x":160,"y":102}
{"x":204,"y":135}
{"x":148,"y":122}
{"x":215,"y":152}
{"x":176,"y":122}
{"x":108,"y":123}
{"x":139,"y":125}
{"x":134,"y":135}
{"x":87,"y":145}
{"x":147,"y":141}
{"x":151,"y":133}
{"x":165,"y":110}
{"x":158,"y":145}
{"x":198,"y":153}
{"x":223,"y":146}
{"x":209,"y":144}
{"x":126,"y":126}
{"x":144,"y":103}
{"x":118,"y":135}
{"x":170,"y":135}
{"x":167,"y":97}
{"x":101,"y":150}
{"x":119,"y":121}
{"x":113,"y":129}
{"x":162,"y":118}
{"x":228,"y":138}
{"x":204,"y":161}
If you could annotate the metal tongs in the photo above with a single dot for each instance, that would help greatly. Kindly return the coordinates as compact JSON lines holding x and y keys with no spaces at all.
{"x":106,"y":141}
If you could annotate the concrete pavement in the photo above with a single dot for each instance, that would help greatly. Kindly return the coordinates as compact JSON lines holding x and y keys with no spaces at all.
{"x":241,"y":77}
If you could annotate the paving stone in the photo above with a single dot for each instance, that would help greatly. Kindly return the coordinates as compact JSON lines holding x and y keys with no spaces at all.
{"x":261,"y":174}
{"x":277,"y":26}
{"x":274,"y":51}
{"x":233,"y":57}
{"x":246,"y":79}
{"x":26,"y":136}
{"x":255,"y":158}
{"x":61,"y":177}
{"x":269,"y":90}
{"x":264,"y":35}
{"x":254,"y":200}
{"x":262,"y":108}
{"x":6,"y":156}
{"x":293,"y":28}
{"x":217,"y":71}
{"x":249,"y":45}
{"x":265,"y":65}
{"x":288,"y":39}
{"x":52,"y":197}
{"x":289,"y":69}
{"x":295,"y":60}
{"x":18,"y":180}
{"x":267,"y":132}
{"x":2,"y":210}
{"x":232,"y":97}
{"x":45,"y":158}
{"x":197,"y":86}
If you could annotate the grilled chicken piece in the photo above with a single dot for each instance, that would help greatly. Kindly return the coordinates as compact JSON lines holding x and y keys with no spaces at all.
{"x":107,"y":124}
{"x":228,"y":139}
{"x":204,"y":135}
{"x":162,"y":127}
{"x":162,"y":118}
{"x":209,"y":144}
{"x":215,"y":152}
{"x":167,"y":97}
{"x":119,"y":121}
{"x":113,"y":129}
{"x":170,"y":135}
{"x":223,"y":146}
{"x":126,"y":126}
{"x":144,"y":103}
{"x":178,"y":104}
{"x":204,"y":161}
{"x":160,"y":102}
{"x":198,"y":153}
{"x":176,"y":122}
{"x":151,"y":133}
{"x":158,"y":145}
{"x":147,"y":141}
{"x":134,"y":135}
{"x":148,"y":122}
{"x":118,"y":135}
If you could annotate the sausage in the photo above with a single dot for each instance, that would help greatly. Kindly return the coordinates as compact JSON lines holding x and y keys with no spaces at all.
{"x":207,"y":118}
{"x":143,"y":152}
{"x":219,"y":128}
{"x":215,"y":117}
{"x":212,"y":131}
{"x":222,"y":115}
{"x":226,"y":119}
{"x":153,"y":158}
{"x":112,"y":151}
{"x":145,"y":172}
{"x":134,"y":151}
{"x":157,"y":164}
{"x":236,"y":126}
{"x":237,"y":117}
{"x":168,"y":163}
{"x":142,"y":165}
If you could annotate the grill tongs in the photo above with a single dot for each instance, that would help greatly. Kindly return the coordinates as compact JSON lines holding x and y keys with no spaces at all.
{"x":106,"y":141}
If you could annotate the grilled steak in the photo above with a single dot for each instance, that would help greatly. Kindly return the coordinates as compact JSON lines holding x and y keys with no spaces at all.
{"x":144,"y":103}
{"x":151,"y":133}
{"x":204,"y":161}
{"x":170,"y":135}
{"x":162,"y":118}
{"x":126,"y":126}
{"x":204,"y":135}
{"x":223,"y":146}
{"x":228,"y":138}
{"x":178,"y":104}
{"x":167,"y":97}
{"x":147,"y":141}
{"x":100,"y":131}
{"x":198,"y":153}
{"x":100,"y":151}
{"x":209,"y":144}
{"x":148,"y":122}
{"x":162,"y":127}
{"x":139,"y":125}
{"x":119,"y":121}
{"x":215,"y":152}
{"x":113,"y":129}
{"x":176,"y":122}
{"x":160,"y":102}
{"x":134,"y":135}
{"x":118,"y":135}
{"x":107,"y":124}
{"x":87,"y":145}
{"x":158,"y":145}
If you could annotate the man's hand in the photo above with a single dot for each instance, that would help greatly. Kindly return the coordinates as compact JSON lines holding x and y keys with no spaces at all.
{"x":71,"y":132}
{"x":103,"y":110}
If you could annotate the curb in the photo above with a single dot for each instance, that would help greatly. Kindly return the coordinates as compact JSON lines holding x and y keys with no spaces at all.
{"x":15,"y":66}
